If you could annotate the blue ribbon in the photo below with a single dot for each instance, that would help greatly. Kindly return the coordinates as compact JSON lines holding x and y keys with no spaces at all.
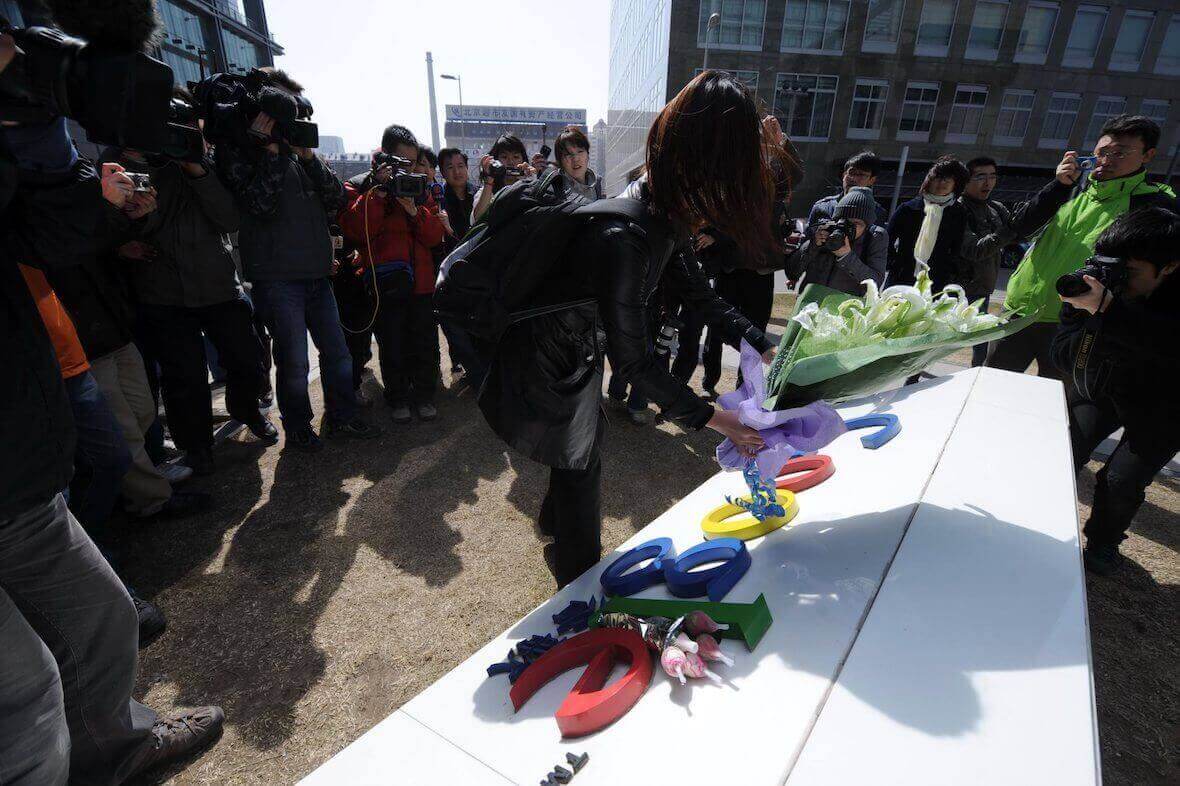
{"x":615,"y":579}
{"x":890,"y":428}
{"x":715,"y":582}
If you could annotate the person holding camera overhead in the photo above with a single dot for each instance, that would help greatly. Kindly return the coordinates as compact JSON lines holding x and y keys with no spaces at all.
{"x":1116,"y":348}
{"x":390,"y":217}
{"x":285,"y":195}
{"x":507,"y":163}
{"x":847,"y":249}
{"x":1117,"y":184}
{"x":927,"y":231}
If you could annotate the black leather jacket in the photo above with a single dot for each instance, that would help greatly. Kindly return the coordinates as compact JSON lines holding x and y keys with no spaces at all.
{"x":544,"y":390}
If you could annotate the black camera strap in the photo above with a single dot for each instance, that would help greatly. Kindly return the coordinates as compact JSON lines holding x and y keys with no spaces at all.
{"x":1090,"y":335}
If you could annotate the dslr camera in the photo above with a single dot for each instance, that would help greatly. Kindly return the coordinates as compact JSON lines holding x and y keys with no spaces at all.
{"x":1111,"y":271}
{"x":229,"y":103}
{"x":403,"y":182}
{"x":838,"y":230}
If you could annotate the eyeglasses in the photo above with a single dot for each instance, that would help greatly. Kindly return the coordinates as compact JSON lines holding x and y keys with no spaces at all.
{"x":982,"y":177}
{"x":1115,"y":153}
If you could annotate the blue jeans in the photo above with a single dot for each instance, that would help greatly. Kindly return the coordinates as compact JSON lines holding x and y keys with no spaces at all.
{"x":290,"y":310}
{"x":101,"y":455}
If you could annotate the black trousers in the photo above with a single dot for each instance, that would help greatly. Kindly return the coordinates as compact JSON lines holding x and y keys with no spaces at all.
{"x":1019,"y":350}
{"x":572,"y":515}
{"x":750,"y":293}
{"x":174,"y":337}
{"x":355,"y":305}
{"x":407,"y":337}
{"x":1121,"y":483}
{"x":689,"y":353}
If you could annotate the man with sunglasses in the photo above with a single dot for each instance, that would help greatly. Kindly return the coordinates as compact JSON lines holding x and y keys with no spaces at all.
{"x":1117,"y":185}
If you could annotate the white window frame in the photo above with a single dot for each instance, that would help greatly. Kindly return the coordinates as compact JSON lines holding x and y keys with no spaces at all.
{"x":1160,"y":66}
{"x":883,"y":102}
{"x":966,"y":139}
{"x":1087,"y":62}
{"x":1089,"y":140}
{"x":1041,"y":58}
{"x":1165,"y":148}
{"x":717,"y":45}
{"x":882,"y":47}
{"x":1013,"y":141}
{"x":834,"y":91}
{"x":1135,"y":13}
{"x":827,"y":8}
{"x":990,"y":55}
{"x":918,"y":136}
{"x":1055,"y":143}
{"x":928,"y":50}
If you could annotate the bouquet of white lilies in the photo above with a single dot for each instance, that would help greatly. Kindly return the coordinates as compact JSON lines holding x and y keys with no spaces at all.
{"x":839,"y":346}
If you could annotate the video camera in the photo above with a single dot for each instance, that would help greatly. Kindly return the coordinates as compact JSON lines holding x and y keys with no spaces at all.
{"x":1111,"y":271}
{"x":838,"y":230}
{"x":403,"y":182}
{"x":501,"y":175}
{"x":230,"y":102}
{"x":119,"y":97}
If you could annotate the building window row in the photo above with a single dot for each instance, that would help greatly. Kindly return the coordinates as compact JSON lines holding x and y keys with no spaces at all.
{"x":820,"y":27}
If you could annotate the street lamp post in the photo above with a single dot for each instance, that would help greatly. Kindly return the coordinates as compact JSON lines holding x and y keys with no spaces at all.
{"x":713,"y":23}
{"x":462,"y":125}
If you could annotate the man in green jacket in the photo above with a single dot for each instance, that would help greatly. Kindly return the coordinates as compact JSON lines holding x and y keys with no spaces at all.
{"x":1117,"y":185}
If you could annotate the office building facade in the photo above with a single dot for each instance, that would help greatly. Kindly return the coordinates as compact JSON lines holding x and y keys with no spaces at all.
{"x":203,"y":37}
{"x":474,"y":129}
{"x":1019,"y":80}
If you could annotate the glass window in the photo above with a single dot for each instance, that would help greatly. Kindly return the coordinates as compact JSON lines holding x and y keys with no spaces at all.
{"x":1085,"y":36}
{"x":747,"y":78}
{"x":987,"y":28}
{"x":1132,"y":40}
{"x":966,"y":113}
{"x":1059,"y":119}
{"x":240,"y":55}
{"x":935,"y":27}
{"x":883,"y":26}
{"x":1036,"y":34}
{"x":1105,"y":108}
{"x":1015,"y":112}
{"x":741,"y":24}
{"x":804,"y":102}
{"x":1168,"y":60}
{"x":180,"y":24}
{"x":814,"y":26}
{"x":1157,"y":109}
{"x":917,"y":111}
{"x":868,"y":108}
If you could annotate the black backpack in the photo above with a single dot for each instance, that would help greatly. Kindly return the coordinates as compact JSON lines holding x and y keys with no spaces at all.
{"x":487,"y":282}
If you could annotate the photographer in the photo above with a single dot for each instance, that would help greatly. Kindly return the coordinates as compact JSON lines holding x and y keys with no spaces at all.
{"x":861,"y":170}
{"x":505,"y":165}
{"x":285,"y":195}
{"x":458,"y":192}
{"x":184,"y":280}
{"x":394,"y":236}
{"x":1117,"y":184}
{"x":847,"y":249}
{"x":1117,"y":350}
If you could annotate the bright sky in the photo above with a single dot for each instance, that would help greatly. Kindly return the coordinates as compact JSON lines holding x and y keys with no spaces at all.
{"x":363,"y":62}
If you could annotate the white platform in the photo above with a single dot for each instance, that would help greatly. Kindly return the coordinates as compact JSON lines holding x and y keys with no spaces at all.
{"x":971,"y":665}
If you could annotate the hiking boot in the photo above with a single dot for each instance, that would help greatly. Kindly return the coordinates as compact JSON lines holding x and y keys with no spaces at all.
{"x":305,"y":439}
{"x":177,"y":735}
{"x":353,"y":429}
{"x":427,"y":412}
{"x":1103,"y":560}
{"x":200,"y":461}
{"x":151,"y":620}
{"x":400,"y":414}
{"x":637,"y":417}
{"x":175,"y":474}
{"x":264,"y":430}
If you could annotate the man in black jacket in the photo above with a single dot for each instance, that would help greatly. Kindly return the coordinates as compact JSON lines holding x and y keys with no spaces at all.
{"x":1117,"y":348}
{"x":184,"y":281}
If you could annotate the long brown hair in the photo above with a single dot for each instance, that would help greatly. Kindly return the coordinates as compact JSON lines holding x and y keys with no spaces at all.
{"x":707,"y":166}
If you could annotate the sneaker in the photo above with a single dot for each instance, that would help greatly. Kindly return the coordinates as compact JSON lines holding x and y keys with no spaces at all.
{"x":1102,"y":560}
{"x":177,"y":735}
{"x":266,"y":400}
{"x":637,"y":417}
{"x":305,"y":439}
{"x":363,"y":399}
{"x":427,"y":412}
{"x":151,"y":620}
{"x":710,"y":392}
{"x":401,"y":414}
{"x":353,"y":429}
{"x":264,"y":430}
{"x":200,"y":461}
{"x":175,"y":474}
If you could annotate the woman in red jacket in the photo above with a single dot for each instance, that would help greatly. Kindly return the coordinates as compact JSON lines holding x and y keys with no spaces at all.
{"x":394,"y":237}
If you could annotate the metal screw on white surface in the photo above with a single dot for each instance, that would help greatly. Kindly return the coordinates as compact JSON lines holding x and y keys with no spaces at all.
{"x":577,"y":762}
{"x":561,"y":774}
